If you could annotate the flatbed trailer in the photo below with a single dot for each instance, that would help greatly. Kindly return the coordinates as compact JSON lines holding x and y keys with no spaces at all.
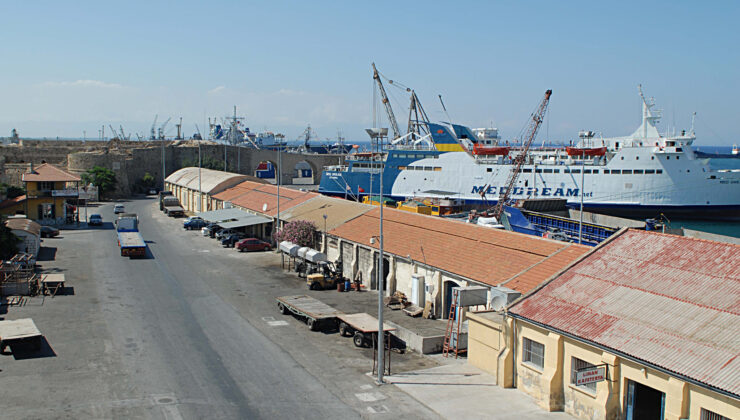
{"x":174,"y":211}
{"x":19,"y":331}
{"x":362,"y":327}
{"x":131,"y":244}
{"x":316,"y":313}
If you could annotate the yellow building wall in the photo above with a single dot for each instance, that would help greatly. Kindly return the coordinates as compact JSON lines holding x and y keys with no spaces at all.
{"x":716,"y":403}
{"x":485,"y":342}
{"x":551,"y":385}
{"x":544,"y":384}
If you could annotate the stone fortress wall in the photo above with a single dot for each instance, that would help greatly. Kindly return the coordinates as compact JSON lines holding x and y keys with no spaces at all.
{"x":130,"y":160}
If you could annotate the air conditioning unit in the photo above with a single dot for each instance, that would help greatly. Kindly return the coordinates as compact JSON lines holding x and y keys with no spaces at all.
{"x":501,"y":297}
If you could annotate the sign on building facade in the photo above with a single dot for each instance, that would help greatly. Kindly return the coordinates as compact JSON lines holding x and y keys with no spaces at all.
{"x":591,"y":375}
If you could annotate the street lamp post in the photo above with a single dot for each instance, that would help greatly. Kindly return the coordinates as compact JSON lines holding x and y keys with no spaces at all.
{"x":377,"y":134}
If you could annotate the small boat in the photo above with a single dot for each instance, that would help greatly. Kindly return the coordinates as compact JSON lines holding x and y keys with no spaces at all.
{"x":585,"y":151}
{"x":490,"y":150}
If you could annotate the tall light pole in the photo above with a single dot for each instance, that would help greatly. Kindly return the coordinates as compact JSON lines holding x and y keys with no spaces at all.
{"x":583,"y":135}
{"x":164,"y":173}
{"x":377,"y":134}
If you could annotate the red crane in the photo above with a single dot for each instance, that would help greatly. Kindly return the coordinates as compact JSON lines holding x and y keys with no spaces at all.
{"x":518,"y":161}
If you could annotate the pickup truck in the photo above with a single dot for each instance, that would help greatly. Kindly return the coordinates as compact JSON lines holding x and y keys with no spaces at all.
{"x":172,"y":207}
{"x":129,"y":239}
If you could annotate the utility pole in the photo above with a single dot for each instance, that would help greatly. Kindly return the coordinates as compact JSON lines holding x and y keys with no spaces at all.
{"x":377,"y":135}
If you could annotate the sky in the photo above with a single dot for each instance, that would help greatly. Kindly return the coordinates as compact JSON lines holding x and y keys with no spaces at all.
{"x":69,"y":67}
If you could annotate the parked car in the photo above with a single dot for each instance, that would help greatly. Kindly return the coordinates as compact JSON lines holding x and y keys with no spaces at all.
{"x":95,"y":220}
{"x":118,"y":208}
{"x":210,"y":230}
{"x":49,"y":232}
{"x":152,"y":191}
{"x":192,"y":218}
{"x":194,"y":224}
{"x":230,"y":240}
{"x":252,"y":244}
{"x":224,"y":232}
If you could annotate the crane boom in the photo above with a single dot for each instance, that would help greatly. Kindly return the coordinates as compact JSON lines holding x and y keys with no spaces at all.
{"x":529,"y":135}
{"x":387,"y":104}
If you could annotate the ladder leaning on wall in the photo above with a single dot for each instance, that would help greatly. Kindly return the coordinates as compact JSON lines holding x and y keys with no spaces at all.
{"x":454,"y":324}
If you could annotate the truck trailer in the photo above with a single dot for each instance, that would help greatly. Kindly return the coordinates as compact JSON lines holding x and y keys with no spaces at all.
{"x":129,"y":239}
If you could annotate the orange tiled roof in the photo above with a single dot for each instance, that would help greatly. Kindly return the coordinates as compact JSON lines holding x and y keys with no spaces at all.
{"x":12,"y":201}
{"x":253,"y":196}
{"x":49,"y":173}
{"x":486,"y":255}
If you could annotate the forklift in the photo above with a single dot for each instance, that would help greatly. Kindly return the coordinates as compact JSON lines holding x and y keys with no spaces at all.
{"x":326,"y":275}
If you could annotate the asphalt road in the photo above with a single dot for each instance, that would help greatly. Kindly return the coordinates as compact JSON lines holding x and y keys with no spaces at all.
{"x":190,"y":332}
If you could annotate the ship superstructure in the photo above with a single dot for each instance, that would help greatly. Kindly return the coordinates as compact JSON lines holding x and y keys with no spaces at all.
{"x":643,"y":174}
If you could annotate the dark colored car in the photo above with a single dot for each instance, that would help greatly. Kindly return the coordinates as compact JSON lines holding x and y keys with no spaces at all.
{"x":225,"y":232}
{"x":252,"y":244}
{"x":211,"y":230}
{"x":95,"y":220}
{"x":49,"y":232}
{"x":230,"y":240}
{"x":194,"y":224}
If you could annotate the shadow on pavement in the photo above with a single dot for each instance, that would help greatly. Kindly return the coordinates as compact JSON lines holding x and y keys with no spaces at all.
{"x":47,"y":253}
{"x":28,"y":350}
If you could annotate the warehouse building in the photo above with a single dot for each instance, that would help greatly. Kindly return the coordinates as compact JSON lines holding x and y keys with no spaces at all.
{"x":191,"y":184}
{"x":647,"y":326}
{"x":426,"y":256}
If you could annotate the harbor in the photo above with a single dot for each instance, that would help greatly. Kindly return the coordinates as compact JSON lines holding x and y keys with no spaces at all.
{"x":409,"y":210}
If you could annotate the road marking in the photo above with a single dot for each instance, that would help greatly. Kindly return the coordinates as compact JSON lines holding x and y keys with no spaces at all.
{"x":370,"y":396}
{"x":277,"y":323}
{"x":268,"y":318}
{"x":366,"y":387}
{"x":378,"y":409}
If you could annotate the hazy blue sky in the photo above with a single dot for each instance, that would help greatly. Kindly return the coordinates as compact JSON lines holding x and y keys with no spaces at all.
{"x":68,"y":68}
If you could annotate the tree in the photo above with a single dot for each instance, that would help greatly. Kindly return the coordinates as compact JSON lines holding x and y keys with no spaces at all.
{"x":11,"y":191}
{"x":8,"y":242}
{"x":300,"y":232}
{"x":103,"y":178}
{"x":147,"y":180}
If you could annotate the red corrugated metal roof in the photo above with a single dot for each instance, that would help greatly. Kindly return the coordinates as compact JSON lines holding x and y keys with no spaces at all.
{"x":486,"y":255}
{"x":668,"y":300}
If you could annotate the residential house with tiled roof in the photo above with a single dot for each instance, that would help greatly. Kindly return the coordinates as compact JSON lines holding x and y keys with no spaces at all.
{"x":51,"y":194}
{"x":647,"y":326}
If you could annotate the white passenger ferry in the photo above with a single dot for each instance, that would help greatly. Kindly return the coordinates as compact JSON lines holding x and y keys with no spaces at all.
{"x":643,"y":174}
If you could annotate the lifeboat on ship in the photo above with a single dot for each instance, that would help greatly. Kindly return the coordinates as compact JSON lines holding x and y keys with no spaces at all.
{"x":585,"y":151}
{"x":490,"y":150}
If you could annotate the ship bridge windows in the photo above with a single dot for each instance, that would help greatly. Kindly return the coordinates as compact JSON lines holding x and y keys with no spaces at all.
{"x":527,"y":170}
{"x":649,"y":171}
{"x":627,"y":172}
{"x":658,"y":171}
{"x":638,"y":172}
{"x":575,"y":171}
{"x":539,"y":171}
{"x":548,"y":171}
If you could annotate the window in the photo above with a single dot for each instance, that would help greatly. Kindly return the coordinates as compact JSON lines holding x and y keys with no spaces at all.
{"x":678,"y":149}
{"x":616,"y":171}
{"x":401,"y":168}
{"x":557,"y":171}
{"x":658,"y":171}
{"x":577,"y":364}
{"x":533,"y":352}
{"x":586,"y":171}
{"x":638,"y":172}
{"x":709,"y":415}
{"x":438,"y":168}
{"x":539,"y":171}
{"x":575,"y":171}
{"x":566,"y":171}
{"x":487,"y":170}
{"x":46,"y":185}
{"x":428,"y":168}
{"x":527,"y":170}
{"x":606,"y":172}
{"x":649,"y":171}
{"x":548,"y":171}
{"x":627,"y":172}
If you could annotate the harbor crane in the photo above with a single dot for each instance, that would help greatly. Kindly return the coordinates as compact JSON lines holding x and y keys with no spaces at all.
{"x":115,"y":134}
{"x":530,"y":133}
{"x":153,"y":134}
{"x":161,"y":129}
{"x":387,"y":104}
